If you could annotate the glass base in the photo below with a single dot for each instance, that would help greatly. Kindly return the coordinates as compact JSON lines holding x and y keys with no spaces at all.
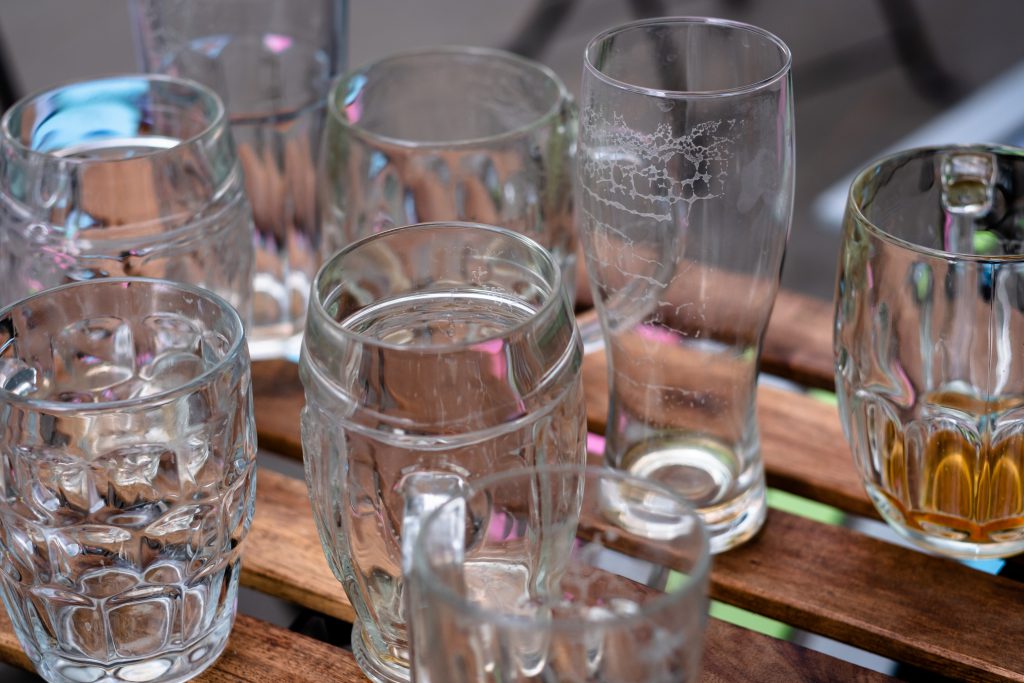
{"x":375,"y":669}
{"x":171,"y":667}
{"x":738,"y":521}
{"x":934,"y":543}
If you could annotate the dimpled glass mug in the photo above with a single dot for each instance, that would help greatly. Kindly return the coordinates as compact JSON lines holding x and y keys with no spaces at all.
{"x":127,"y":478}
{"x":433,"y":354}
{"x":928,"y":335}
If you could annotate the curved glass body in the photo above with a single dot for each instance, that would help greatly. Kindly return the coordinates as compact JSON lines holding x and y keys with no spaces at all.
{"x":128,"y":458}
{"x":929,"y":326}
{"x":685,"y":198}
{"x":122,"y":176}
{"x":433,"y":354}
{"x":560,"y":574}
{"x":452,"y":134}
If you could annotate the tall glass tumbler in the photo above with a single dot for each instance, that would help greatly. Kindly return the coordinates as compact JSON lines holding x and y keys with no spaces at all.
{"x":685,"y":193}
{"x":433,"y":354}
{"x":122,"y":176}
{"x":928,"y":336}
{"x":452,"y":134}
{"x":272,"y":62}
{"x":127,"y":477}
{"x":560,"y":574}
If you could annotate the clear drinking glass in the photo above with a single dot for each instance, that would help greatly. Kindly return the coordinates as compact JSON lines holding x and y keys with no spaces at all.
{"x":685,"y":197}
{"x":433,"y":354}
{"x":452,"y":134}
{"x":122,"y":176}
{"x":560,"y":574}
{"x":127,"y":477}
{"x":929,"y":327}
{"x":272,"y":62}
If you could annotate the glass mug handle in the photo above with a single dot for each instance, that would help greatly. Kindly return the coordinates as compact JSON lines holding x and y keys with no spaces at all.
{"x":425,"y":492}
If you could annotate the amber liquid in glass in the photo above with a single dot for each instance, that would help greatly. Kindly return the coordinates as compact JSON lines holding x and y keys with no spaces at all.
{"x":961,"y":474}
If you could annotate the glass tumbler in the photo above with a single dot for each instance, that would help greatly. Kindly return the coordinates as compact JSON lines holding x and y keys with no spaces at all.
{"x":122,"y":176}
{"x":928,"y":334}
{"x":452,"y":134}
{"x":560,"y":574}
{"x":685,"y":194}
{"x":127,"y":477}
{"x":433,"y":354}
{"x":272,"y":62}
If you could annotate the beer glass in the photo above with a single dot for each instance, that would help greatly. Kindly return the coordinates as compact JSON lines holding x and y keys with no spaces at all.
{"x":560,"y":574}
{"x":433,"y":354}
{"x":272,"y":62}
{"x":127,"y":478}
{"x":685,"y":197}
{"x":452,"y":134}
{"x":122,"y":176}
{"x":928,"y":333}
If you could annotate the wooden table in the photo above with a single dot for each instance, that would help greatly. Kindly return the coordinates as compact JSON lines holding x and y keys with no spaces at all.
{"x":932,"y":613}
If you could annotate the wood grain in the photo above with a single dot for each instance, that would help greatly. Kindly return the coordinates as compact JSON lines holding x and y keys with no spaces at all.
{"x":930,"y":612}
{"x":726,"y":660}
{"x":798,"y":342}
{"x":257,"y":652}
{"x":283,"y":555}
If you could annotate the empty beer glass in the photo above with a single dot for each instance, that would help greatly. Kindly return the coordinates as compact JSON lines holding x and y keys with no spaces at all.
{"x":685,"y":198}
{"x":272,"y":62}
{"x":928,"y":338}
{"x":433,"y":354}
{"x":122,"y":176}
{"x":127,"y":478}
{"x":452,"y":134}
{"x":560,"y":574}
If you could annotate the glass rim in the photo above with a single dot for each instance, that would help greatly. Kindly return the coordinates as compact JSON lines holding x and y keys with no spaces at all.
{"x":319,"y":311}
{"x":591,"y":68}
{"x":490,"y":53}
{"x":238,"y":344}
{"x":694,"y":578}
{"x":216,"y":123}
{"x":863,"y":177}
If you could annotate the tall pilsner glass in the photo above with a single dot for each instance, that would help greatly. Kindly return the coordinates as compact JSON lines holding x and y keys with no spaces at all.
{"x":928,"y":337}
{"x":272,"y":62}
{"x":684,"y":199}
{"x":452,"y":134}
{"x":433,"y":354}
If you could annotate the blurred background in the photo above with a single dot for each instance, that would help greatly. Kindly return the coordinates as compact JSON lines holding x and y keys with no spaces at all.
{"x":869,"y":75}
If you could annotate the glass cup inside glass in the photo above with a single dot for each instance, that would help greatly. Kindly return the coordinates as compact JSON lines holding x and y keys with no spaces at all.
{"x":128,"y":457}
{"x":929,"y":326}
{"x":433,"y":354}
{"x":122,"y":176}
{"x":452,"y":134}
{"x":685,"y":191}
{"x":560,"y":574}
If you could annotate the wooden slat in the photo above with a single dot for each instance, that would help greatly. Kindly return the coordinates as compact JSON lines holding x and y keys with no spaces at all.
{"x":257,"y":652}
{"x":283,"y":556}
{"x":798,"y":342}
{"x":928,"y":611}
{"x":775,"y":660}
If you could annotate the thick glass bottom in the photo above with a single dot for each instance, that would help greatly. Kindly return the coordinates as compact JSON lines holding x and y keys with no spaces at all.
{"x":174,"y":666}
{"x":375,"y":668}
